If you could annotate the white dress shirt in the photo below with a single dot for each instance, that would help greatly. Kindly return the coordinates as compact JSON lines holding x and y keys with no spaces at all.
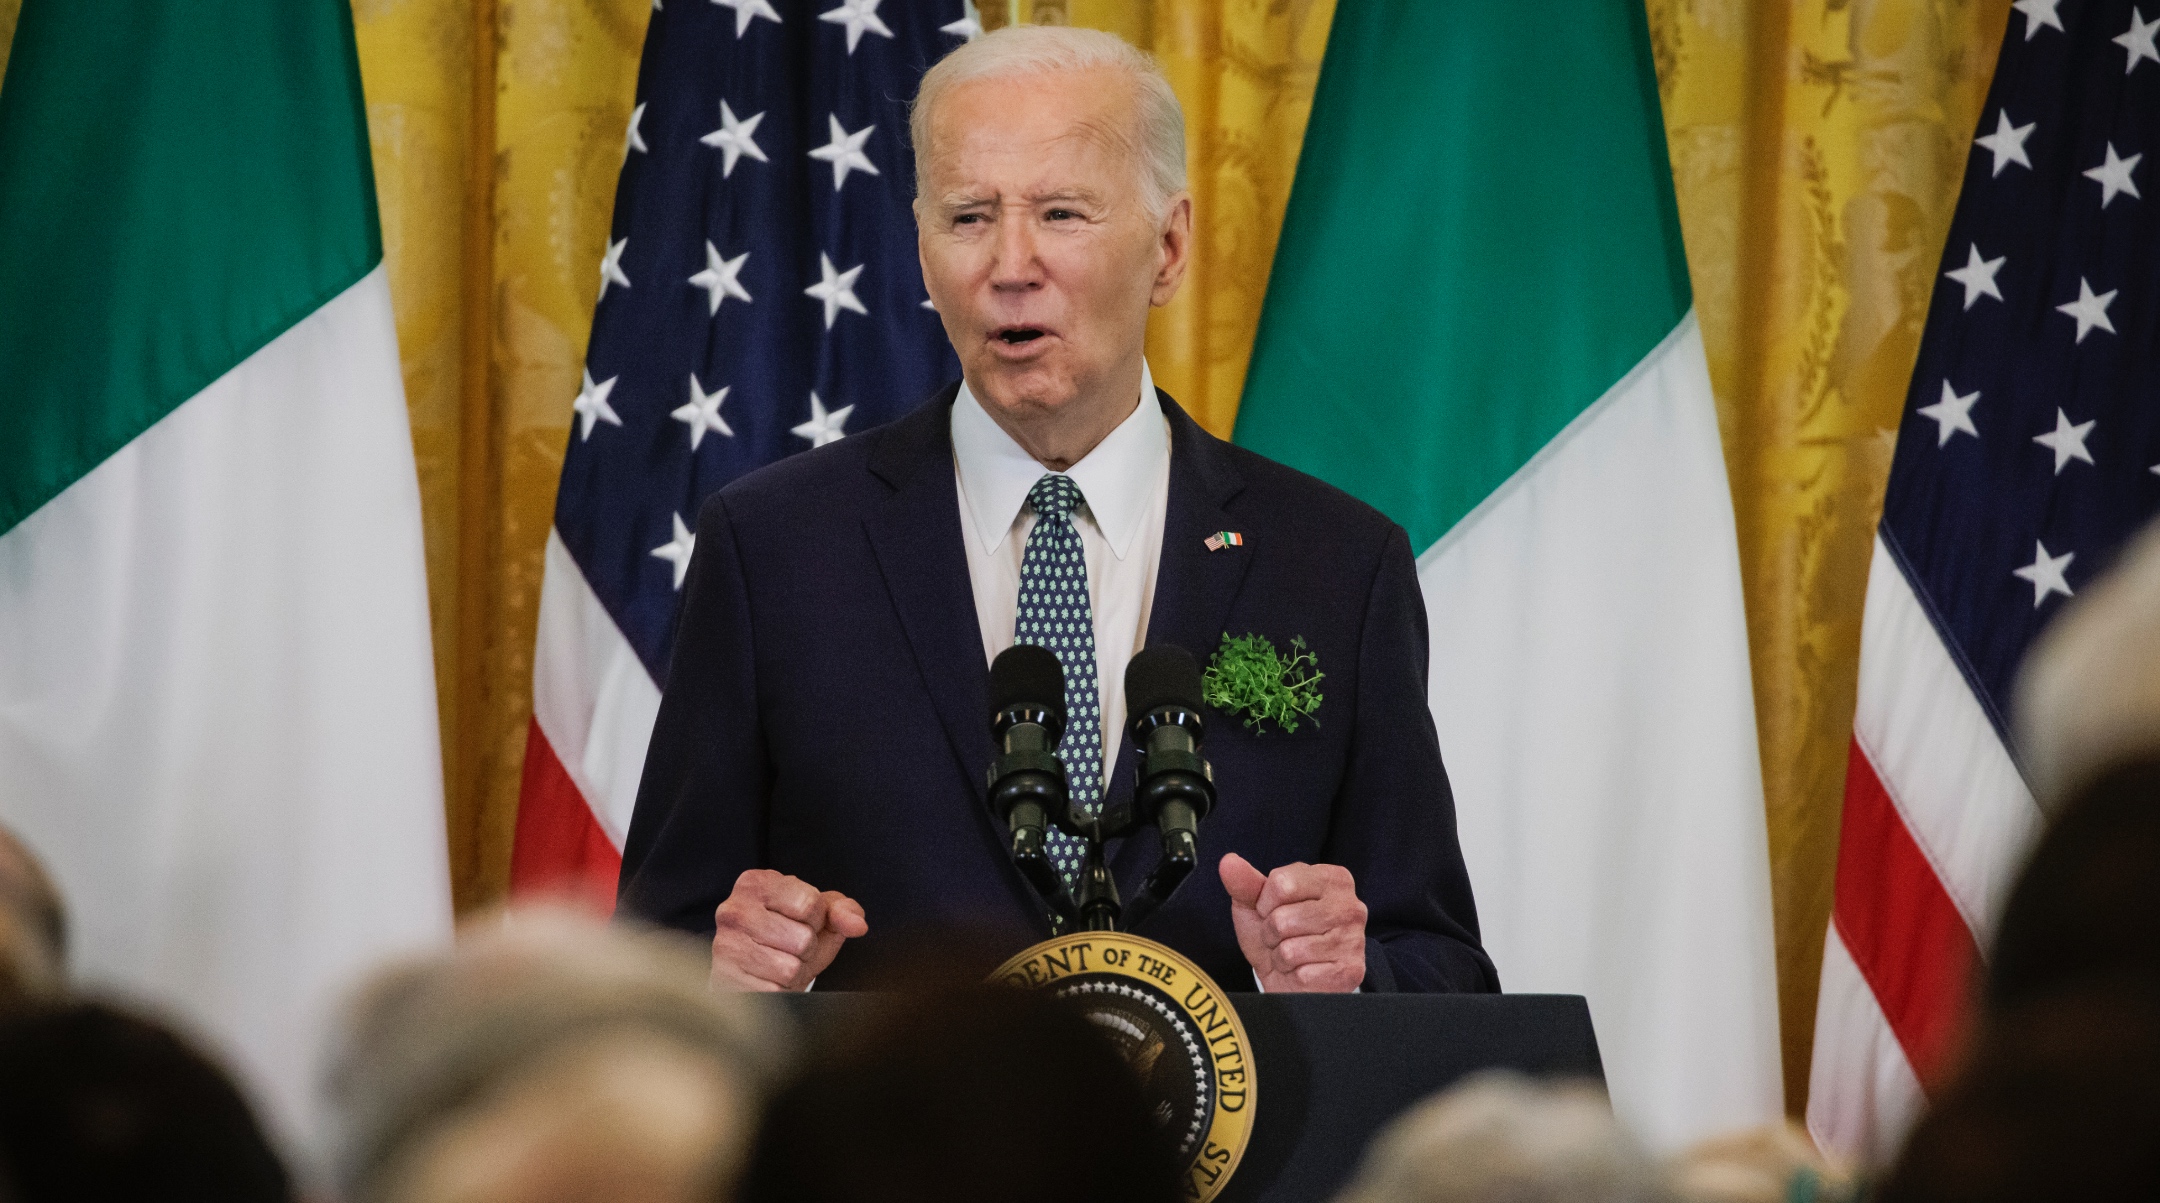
{"x":1126,"y":483}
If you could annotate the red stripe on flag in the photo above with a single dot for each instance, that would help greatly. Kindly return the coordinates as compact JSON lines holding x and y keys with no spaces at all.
{"x":1904,"y":933}
{"x":560,"y":850}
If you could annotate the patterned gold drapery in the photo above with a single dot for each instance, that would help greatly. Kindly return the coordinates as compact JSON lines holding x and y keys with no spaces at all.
{"x":1817,"y":149}
{"x":498,"y":131}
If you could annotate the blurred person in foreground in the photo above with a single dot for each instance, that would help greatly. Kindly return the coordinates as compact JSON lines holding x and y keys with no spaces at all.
{"x":1777,"y":1163}
{"x":976,"y":1094}
{"x":33,"y":926}
{"x":2058,"y":1099}
{"x":548,"y":1058}
{"x":1503,"y":1138}
{"x":98,"y":1104}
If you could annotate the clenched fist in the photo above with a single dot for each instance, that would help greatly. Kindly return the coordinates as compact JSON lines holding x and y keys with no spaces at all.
{"x":1301,"y":927}
{"x":777,"y":932}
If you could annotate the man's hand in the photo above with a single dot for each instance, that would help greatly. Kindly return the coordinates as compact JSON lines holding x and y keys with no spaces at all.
{"x":776,"y":932}
{"x":1302,"y":926}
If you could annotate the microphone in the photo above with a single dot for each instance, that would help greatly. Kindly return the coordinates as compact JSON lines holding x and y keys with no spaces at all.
{"x":1176,"y":787}
{"x":1027,"y":781}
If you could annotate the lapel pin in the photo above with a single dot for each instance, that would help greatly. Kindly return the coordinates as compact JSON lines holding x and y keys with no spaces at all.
{"x":1224,"y":538}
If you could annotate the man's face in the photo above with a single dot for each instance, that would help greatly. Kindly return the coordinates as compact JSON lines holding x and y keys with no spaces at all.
{"x":1036,"y":242}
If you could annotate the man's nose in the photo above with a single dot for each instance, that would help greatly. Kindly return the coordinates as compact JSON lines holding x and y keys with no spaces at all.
{"x":1017,"y":266}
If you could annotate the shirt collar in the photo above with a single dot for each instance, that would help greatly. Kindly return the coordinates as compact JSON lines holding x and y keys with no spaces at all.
{"x":1117,"y":477}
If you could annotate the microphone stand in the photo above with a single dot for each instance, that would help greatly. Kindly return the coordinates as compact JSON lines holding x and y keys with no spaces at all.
{"x":1175,"y":790}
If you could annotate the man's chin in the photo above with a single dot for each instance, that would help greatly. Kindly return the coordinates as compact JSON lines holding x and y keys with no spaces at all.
{"x":1026,"y":393}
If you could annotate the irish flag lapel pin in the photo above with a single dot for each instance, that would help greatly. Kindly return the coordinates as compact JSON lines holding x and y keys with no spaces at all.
{"x":1224,"y":538}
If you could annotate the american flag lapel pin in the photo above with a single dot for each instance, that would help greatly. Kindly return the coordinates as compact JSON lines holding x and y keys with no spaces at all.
{"x":1224,"y":538}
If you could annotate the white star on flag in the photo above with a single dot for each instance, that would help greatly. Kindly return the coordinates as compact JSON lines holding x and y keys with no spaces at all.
{"x":702,"y":413}
{"x":2066,"y":441}
{"x":745,"y":10}
{"x":837,"y":289}
{"x":719,"y":278}
{"x":966,"y":27}
{"x":634,"y":140}
{"x":2006,"y":144}
{"x":857,"y":15}
{"x":1978,"y":276}
{"x":2090,"y":310}
{"x":2038,"y":13}
{"x":592,"y":404}
{"x":678,"y":550}
{"x":1952,"y":414}
{"x":844,"y":152}
{"x":2046,"y":573}
{"x":2114,"y":176}
{"x":823,"y":428}
{"x":2139,"y":40}
{"x":734,"y":139}
{"x":611,"y":271}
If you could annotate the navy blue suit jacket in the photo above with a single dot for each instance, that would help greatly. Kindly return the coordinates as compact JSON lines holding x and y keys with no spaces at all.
{"x":827,"y":711}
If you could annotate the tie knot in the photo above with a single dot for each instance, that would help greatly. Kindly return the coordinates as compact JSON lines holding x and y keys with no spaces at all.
{"x":1054,"y":495}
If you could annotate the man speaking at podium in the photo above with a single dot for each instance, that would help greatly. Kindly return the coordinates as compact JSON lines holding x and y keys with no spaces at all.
{"x":816,"y":776}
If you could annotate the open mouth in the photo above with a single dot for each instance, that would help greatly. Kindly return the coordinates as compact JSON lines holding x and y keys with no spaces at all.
{"x":1013,"y":336}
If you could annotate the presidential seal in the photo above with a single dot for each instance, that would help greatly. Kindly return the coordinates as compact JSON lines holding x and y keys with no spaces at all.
{"x":1174,"y":1028}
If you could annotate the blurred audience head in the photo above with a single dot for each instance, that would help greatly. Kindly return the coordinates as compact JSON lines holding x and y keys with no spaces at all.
{"x":548,"y":1058}
{"x":1503,"y":1138}
{"x":2087,"y":905}
{"x":33,"y":926}
{"x":2088,"y":695}
{"x":97,"y":1104}
{"x":1774,"y":1164}
{"x":2060,"y":1099}
{"x":975,"y":1094}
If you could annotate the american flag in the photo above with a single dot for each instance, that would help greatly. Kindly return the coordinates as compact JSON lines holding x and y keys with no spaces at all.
{"x":2029,"y":452}
{"x":759,"y":295}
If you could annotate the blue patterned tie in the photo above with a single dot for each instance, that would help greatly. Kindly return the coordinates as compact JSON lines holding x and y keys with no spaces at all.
{"x":1055,"y":615}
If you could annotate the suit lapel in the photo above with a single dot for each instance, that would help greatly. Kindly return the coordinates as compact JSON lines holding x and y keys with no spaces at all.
{"x":1194,"y":587}
{"x":916,"y":538}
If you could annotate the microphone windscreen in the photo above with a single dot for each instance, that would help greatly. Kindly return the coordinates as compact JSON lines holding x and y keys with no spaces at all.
{"x":1026,"y":675}
{"x":1162,"y":675}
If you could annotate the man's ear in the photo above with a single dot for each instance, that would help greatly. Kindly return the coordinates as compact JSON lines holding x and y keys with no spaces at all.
{"x":1173,"y":249}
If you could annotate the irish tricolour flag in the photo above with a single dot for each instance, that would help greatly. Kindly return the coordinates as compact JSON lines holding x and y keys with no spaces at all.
{"x":1479,"y":321}
{"x":217,"y":717}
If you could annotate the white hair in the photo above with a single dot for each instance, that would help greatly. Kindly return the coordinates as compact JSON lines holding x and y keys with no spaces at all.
{"x":1502,"y":1138}
{"x":1158,"y":143}
{"x":542,"y":998}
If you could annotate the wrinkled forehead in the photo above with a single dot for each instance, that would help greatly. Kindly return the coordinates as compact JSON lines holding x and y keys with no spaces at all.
{"x":1050,"y":128}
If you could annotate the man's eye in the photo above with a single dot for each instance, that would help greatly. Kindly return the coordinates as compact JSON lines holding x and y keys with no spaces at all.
{"x":968,"y":219}
{"x":1060,"y":214}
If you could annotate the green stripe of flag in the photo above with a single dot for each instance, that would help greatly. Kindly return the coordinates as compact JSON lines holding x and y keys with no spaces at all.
{"x":179,"y":183}
{"x":1481,"y":240}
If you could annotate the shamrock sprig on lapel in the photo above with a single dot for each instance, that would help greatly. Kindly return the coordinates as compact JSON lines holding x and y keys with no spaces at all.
{"x":1248,"y":677}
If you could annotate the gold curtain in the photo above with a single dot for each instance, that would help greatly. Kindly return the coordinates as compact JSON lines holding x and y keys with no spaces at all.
{"x":1817,"y":147}
{"x":498,"y":130}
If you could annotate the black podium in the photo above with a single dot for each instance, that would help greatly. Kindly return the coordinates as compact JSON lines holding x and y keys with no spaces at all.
{"x":1334,"y":1069}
